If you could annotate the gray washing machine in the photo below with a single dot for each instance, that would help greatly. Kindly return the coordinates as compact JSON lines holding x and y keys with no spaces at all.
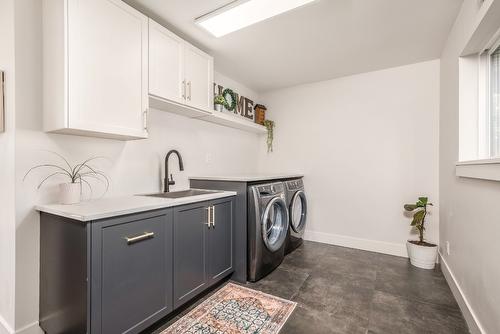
{"x":297,"y":209}
{"x":267,"y":228}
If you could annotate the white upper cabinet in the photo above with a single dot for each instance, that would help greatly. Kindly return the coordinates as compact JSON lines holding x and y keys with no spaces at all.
{"x":198,"y":68}
{"x":178,"y":72}
{"x":95,"y":68}
{"x":166,"y":73}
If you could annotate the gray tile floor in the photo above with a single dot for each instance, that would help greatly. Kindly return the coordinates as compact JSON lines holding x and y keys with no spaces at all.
{"x":343,"y":290}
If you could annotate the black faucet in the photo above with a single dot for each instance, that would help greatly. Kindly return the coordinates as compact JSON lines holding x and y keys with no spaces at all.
{"x":171,"y":182}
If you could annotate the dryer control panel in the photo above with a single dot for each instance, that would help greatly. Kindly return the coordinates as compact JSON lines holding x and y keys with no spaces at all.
{"x":295,"y":184}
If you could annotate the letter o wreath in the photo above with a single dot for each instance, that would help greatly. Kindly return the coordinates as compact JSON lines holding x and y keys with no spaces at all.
{"x":232,"y":106}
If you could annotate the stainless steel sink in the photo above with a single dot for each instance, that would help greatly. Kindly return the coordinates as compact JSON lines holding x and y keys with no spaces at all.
{"x":183,"y":193}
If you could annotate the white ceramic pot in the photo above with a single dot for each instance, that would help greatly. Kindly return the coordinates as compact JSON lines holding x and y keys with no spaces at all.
{"x":69,"y":193}
{"x":219,"y":107}
{"x":422,"y":256}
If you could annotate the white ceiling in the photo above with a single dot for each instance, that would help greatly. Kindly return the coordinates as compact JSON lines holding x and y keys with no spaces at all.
{"x":323,"y":40}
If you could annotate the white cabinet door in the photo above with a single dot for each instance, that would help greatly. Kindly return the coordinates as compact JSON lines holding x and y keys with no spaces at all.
{"x":166,"y":72}
{"x":198,"y":67}
{"x":107,"y":66}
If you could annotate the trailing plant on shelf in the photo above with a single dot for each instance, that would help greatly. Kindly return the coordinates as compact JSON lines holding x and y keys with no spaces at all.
{"x":219,"y":102}
{"x":270,"y":134}
{"x":79,"y":175}
{"x":422,"y":253}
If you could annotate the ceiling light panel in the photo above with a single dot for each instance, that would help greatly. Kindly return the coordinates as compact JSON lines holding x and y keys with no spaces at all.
{"x":241,"y":14}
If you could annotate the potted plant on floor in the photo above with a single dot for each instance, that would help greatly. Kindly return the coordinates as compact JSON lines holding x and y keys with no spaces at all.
{"x":422,"y":254}
{"x":78,"y":175}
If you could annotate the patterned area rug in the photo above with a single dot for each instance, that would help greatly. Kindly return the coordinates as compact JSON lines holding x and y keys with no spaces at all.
{"x":233,"y":310}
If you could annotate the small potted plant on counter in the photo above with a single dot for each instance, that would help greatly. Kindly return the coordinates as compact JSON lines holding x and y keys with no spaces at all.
{"x":78,"y":175}
{"x":422,"y":254}
{"x":219,"y":102}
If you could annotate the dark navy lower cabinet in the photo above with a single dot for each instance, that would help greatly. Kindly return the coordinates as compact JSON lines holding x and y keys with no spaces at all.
{"x":189,"y":249}
{"x":131,"y":272}
{"x":220,"y":241}
{"x":202,"y":247}
{"x":120,"y":275}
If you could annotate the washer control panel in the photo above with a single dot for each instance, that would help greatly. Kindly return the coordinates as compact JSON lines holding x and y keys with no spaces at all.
{"x":270,"y":189}
{"x":295,"y":184}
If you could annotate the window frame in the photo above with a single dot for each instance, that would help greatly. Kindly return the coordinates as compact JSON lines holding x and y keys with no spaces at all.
{"x":483,"y":142}
{"x":474,"y":133}
{"x":488,"y":96}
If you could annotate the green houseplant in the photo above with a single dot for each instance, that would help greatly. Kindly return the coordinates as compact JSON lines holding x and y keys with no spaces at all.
{"x":78,"y":175}
{"x":422,"y":253}
{"x":219,"y":102}
{"x":270,"y":134}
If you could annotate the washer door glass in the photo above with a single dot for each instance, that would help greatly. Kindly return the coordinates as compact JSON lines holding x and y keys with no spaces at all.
{"x":298,"y":212}
{"x":275,"y":224}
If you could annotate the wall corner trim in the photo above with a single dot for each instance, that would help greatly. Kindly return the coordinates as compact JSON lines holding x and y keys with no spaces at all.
{"x":32,"y":328}
{"x":358,"y":243}
{"x":467,"y":311}
{"x":4,"y":327}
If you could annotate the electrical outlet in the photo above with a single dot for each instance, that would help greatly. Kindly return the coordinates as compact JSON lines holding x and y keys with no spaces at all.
{"x":208,"y":158}
{"x":447,"y":248}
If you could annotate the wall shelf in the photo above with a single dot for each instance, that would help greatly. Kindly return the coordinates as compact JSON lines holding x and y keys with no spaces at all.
{"x":176,"y":108}
{"x":221,"y":118}
{"x":236,"y":122}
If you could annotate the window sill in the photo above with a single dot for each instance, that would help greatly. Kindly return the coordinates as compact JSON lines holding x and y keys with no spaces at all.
{"x":487,"y":169}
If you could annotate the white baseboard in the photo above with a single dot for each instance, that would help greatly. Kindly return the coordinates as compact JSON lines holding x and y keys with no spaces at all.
{"x":4,"y":327}
{"x":32,"y":328}
{"x":351,"y":242}
{"x":467,"y":311}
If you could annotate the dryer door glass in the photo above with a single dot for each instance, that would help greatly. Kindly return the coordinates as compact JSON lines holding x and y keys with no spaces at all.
{"x":298,"y":211}
{"x":275,"y":224}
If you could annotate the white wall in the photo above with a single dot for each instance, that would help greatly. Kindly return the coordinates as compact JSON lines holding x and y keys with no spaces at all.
{"x":134,"y":167}
{"x":367,"y":144}
{"x":469,"y":207}
{"x":7,"y":219}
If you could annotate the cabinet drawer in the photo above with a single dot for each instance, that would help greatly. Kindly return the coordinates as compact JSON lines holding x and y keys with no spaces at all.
{"x":135,"y":260}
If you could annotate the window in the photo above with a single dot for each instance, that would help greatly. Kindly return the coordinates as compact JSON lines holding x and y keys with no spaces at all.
{"x":494,"y":102}
{"x":479,"y":103}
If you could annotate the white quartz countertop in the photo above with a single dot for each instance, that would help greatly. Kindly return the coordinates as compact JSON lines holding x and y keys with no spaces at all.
{"x":112,"y":207}
{"x":246,"y":178}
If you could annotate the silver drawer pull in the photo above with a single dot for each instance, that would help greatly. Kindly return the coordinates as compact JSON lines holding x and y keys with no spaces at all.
{"x":144,"y":236}
{"x":208,"y":223}
{"x":213,"y":216}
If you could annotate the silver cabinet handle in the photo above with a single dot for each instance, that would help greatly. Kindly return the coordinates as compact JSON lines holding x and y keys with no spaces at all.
{"x":213,"y":216}
{"x":183,"y":89}
{"x":209,"y":214}
{"x":189,"y":90}
{"x":144,"y":236}
{"x":145,"y":120}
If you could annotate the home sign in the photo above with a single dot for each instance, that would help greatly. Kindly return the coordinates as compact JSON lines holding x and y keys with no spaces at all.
{"x":237,"y":104}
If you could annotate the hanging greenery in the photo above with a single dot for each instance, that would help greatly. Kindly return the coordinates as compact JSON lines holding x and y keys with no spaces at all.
{"x":270,"y":135}
{"x":231,"y":99}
